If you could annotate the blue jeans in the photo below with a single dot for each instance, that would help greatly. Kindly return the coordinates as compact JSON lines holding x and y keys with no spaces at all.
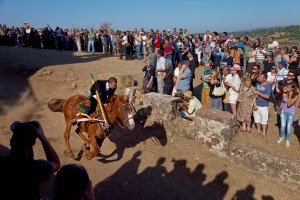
{"x":286,"y":123}
{"x":245,"y":65}
{"x":216,"y":103}
{"x":91,"y":43}
{"x":138,"y":52}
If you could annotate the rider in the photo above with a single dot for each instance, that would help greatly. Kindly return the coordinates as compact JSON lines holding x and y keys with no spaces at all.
{"x":105,"y":89}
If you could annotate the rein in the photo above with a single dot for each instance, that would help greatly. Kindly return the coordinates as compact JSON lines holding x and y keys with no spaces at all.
{"x":124,"y":122}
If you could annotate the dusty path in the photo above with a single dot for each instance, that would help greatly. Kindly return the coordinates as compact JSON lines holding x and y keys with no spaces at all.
{"x":143,"y":165}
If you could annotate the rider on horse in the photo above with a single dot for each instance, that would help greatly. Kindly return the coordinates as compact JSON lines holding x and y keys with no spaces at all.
{"x":106,"y":89}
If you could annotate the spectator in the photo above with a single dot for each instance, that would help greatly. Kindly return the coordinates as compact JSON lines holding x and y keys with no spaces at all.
{"x":272,"y":46}
{"x":184,"y":34}
{"x":138,"y":45}
{"x":149,"y":77}
{"x":227,"y":60}
{"x":125,"y":44}
{"x":168,"y":50}
{"x":207,"y":36}
{"x":260,"y":55}
{"x":168,"y":77}
{"x":91,"y":37}
{"x":186,"y":48}
{"x":185,"y":76}
{"x":206,"y":78}
{"x":198,"y":48}
{"x":245,"y":105}
{"x":157,"y":42}
{"x":272,"y":80}
{"x":217,"y":55}
{"x":234,"y":86}
{"x":215,"y":101}
{"x":246,"y":53}
{"x":251,"y":61}
{"x":282,"y":56}
{"x":268,"y":63}
{"x":262,"y":91}
{"x":21,"y":175}
{"x":190,"y":105}
{"x":225,"y":78}
{"x":288,"y":111}
{"x":206,"y":53}
{"x":176,"y":78}
{"x":179,"y":48}
{"x":151,"y":56}
{"x":160,"y":67}
{"x":282,"y":71}
{"x":192,"y":65}
{"x":236,"y":55}
{"x":255,"y":75}
{"x":72,"y":182}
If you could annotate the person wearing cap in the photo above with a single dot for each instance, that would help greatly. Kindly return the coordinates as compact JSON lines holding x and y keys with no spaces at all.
{"x":282,"y":71}
{"x":234,"y":86}
{"x":261,"y":115}
{"x":160,"y":67}
{"x":191,"y":105}
{"x":21,"y":175}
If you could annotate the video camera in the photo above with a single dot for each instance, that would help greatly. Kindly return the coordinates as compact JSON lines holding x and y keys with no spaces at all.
{"x":178,"y":95}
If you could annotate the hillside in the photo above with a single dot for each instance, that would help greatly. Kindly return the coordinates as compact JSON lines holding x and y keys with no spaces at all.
{"x":287,"y":36}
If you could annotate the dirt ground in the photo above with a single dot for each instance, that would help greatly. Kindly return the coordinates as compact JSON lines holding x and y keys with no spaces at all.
{"x":142,"y":165}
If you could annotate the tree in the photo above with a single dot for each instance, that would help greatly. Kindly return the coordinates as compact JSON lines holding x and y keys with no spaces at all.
{"x":105,"y":26}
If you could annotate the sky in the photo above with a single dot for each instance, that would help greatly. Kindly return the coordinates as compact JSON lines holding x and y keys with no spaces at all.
{"x":195,"y":15}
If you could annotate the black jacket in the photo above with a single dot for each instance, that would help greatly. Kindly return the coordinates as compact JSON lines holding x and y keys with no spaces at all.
{"x":100,"y":86}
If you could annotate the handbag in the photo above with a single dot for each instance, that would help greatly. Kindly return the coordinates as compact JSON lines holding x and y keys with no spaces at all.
{"x":226,"y":97}
{"x":218,"y":91}
{"x":255,"y":108}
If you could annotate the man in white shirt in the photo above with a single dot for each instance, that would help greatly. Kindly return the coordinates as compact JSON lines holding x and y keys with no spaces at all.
{"x":273,"y":44}
{"x":282,"y":71}
{"x":160,"y":67}
{"x":137,"y":43}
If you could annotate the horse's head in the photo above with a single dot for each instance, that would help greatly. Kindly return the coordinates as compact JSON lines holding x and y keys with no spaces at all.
{"x":123,"y":112}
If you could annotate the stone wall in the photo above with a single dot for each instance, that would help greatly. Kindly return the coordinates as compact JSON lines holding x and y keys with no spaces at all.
{"x":212,"y":127}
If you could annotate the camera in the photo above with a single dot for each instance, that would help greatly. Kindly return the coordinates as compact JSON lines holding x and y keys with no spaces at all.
{"x":35,"y":124}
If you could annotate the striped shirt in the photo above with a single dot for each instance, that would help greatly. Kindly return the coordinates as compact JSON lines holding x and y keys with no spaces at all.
{"x":259,"y":55}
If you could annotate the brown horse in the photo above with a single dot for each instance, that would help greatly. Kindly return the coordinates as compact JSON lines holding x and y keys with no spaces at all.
{"x":117,"y":111}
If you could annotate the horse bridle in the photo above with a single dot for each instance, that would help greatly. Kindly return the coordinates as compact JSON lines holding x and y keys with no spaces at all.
{"x":125,"y":114}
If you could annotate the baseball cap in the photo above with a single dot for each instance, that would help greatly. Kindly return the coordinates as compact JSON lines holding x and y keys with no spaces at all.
{"x":282,"y":62}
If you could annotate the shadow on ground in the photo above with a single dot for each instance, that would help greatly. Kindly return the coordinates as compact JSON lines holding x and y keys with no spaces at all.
{"x":18,"y":64}
{"x":157,"y":183}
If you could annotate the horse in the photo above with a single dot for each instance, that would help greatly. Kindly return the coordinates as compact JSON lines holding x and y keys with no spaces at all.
{"x":117,"y":111}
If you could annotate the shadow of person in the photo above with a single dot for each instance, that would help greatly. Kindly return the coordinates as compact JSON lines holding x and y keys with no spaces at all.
{"x":267,"y":197}
{"x":297,"y":130}
{"x":115,"y":186}
{"x":244,"y":194}
{"x":124,"y":139}
{"x":216,"y":189}
{"x":4,"y":151}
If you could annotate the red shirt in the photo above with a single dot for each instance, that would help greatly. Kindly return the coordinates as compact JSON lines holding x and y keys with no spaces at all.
{"x":168,"y":49}
{"x":157,"y":44}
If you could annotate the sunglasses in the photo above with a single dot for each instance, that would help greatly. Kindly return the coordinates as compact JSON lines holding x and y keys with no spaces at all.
{"x":255,"y":68}
{"x":290,"y":75}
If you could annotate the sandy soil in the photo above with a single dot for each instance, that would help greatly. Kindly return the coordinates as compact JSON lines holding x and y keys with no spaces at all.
{"x":142,"y":164}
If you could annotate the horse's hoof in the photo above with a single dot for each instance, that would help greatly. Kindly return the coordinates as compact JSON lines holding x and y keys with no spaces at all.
{"x":70,"y":155}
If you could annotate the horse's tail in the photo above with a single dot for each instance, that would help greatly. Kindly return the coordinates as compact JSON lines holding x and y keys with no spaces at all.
{"x":56,"y":105}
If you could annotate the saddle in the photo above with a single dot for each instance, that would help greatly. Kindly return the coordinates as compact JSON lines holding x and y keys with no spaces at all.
{"x":82,"y":109}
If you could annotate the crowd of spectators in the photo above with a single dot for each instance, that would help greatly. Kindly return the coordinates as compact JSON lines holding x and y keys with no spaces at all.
{"x":229,"y":63}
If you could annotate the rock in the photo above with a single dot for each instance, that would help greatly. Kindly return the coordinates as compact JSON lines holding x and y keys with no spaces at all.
{"x":73,"y":86}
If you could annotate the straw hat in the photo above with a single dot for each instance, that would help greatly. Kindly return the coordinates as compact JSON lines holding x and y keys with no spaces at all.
{"x":236,"y":67}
